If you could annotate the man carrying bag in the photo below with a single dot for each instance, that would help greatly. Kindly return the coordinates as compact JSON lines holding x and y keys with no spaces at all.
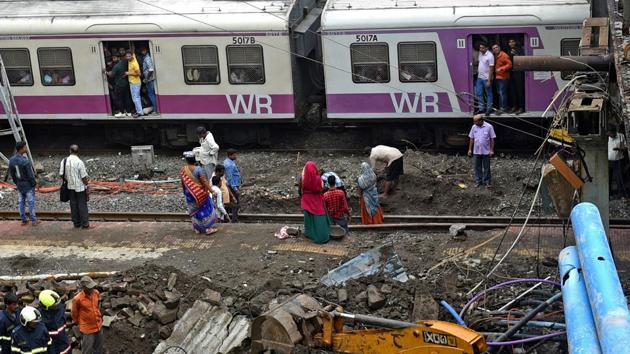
{"x":74,"y":175}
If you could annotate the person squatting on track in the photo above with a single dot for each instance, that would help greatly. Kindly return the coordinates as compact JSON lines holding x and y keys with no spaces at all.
{"x":234,"y":181}
{"x":481,"y":148}
{"x":86,"y":313}
{"x":208,"y":151}
{"x":196,"y":191}
{"x":72,"y":170}
{"x":22,"y":174}
{"x":316,"y":223}
{"x":393,"y":160}
{"x":53,"y":312}
{"x":337,"y":204}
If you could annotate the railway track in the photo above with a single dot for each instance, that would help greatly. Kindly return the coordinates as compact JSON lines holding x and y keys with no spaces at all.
{"x":392,"y":222}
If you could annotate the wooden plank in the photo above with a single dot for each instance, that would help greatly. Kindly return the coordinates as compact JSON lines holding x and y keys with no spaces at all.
{"x":597,"y":21}
{"x":603,"y":37}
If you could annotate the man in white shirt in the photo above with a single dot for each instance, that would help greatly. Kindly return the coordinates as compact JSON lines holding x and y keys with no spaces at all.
{"x":393,"y":160}
{"x":616,"y":146}
{"x":72,"y":169}
{"x":207,"y":152}
{"x":485,"y":74}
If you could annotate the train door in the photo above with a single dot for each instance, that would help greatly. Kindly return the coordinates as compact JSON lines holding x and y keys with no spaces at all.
{"x":509,"y":93}
{"x":125,"y":101}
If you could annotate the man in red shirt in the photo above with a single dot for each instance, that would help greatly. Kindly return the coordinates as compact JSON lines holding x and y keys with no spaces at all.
{"x":337,"y":204}
{"x":86,"y":312}
{"x":502,"y":66}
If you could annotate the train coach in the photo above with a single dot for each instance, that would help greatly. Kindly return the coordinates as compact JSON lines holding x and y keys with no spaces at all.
{"x":402,"y":68}
{"x":215,"y":61}
{"x":412,"y":60}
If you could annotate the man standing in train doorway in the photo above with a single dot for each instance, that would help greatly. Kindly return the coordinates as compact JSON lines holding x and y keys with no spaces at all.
{"x":481,"y":148}
{"x":208,"y":151}
{"x":517,"y":80}
{"x":148,"y":74}
{"x":483,"y":85}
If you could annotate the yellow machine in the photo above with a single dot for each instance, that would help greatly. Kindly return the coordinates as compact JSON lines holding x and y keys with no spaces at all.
{"x":423,"y":337}
{"x":302,"y":320}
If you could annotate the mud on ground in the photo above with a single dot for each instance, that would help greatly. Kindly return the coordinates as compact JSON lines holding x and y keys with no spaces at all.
{"x":433,"y":184}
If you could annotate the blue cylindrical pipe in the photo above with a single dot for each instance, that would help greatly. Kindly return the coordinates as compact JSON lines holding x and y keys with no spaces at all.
{"x":608,"y":304}
{"x":577,"y":309}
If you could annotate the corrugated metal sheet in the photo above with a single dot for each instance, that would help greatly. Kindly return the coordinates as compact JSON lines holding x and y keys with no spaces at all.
{"x":205,"y":328}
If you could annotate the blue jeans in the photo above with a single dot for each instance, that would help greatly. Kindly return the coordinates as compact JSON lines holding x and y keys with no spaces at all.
{"x":29,"y":196}
{"x":480,"y":89}
{"x":502,"y":89}
{"x":482,"y":169}
{"x":151,"y":94}
{"x":135,"y":97}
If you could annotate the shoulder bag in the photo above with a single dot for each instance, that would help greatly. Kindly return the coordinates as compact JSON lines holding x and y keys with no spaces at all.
{"x":64,"y":192}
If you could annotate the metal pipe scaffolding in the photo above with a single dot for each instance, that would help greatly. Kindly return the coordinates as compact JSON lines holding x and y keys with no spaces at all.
{"x":608,"y":304}
{"x":577,"y":309}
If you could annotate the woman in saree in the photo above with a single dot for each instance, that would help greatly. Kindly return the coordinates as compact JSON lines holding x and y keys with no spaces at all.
{"x":198,"y":200}
{"x":316,"y":224}
{"x":371,"y":212}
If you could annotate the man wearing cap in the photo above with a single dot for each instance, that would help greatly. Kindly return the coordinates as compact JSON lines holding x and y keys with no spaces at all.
{"x":53,"y":312}
{"x":208,"y":151}
{"x":9,"y":319}
{"x":86,"y":313}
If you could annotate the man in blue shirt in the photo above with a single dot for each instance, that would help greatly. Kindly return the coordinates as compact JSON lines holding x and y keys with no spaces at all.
{"x":148,"y":73}
{"x":22,"y":174}
{"x":233,"y":176}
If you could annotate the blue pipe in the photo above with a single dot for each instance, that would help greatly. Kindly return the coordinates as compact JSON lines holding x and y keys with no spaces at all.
{"x":608,"y":304}
{"x":453,"y":313}
{"x":577,"y":310}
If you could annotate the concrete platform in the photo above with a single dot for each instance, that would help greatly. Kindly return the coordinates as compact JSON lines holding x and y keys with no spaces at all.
{"x":119,"y":245}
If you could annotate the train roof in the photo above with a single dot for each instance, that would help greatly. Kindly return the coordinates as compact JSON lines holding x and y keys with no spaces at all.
{"x":370,"y":14}
{"x":115,"y":16}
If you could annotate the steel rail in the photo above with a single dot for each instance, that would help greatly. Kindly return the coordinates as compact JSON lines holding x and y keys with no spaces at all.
{"x":391,"y":221}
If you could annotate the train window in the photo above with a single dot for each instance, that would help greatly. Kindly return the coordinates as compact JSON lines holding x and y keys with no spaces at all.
{"x":17,"y":63}
{"x":417,"y":62}
{"x":569,"y":46}
{"x":55,"y":66}
{"x":245,"y":64}
{"x":370,"y":63}
{"x":201,"y":64}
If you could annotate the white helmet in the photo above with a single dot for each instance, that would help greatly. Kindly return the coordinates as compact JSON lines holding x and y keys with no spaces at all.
{"x":29,"y":314}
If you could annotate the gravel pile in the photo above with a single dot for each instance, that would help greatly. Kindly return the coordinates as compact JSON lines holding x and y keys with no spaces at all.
{"x":433,"y":184}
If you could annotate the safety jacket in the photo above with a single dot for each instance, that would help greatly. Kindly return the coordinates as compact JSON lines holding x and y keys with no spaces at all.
{"x":26,"y":341}
{"x":55,"y":321}
{"x":8,"y":322}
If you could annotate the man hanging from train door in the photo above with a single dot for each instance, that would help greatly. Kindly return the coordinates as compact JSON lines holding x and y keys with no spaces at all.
{"x":148,"y":74}
{"x":483,"y":85}
{"x":517,"y":80}
{"x":503,"y":66}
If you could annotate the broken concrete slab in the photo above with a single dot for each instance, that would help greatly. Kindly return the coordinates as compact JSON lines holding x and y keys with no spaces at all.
{"x":342,"y":295}
{"x":107,"y":320}
{"x":382,"y":259}
{"x":163,"y":314}
{"x":211,"y":296}
{"x":120,"y":302}
{"x":456,"y":229}
{"x":172,"y":299}
{"x":260,"y":303}
{"x":172,"y":280}
{"x":205,"y":328}
{"x":375,"y":299}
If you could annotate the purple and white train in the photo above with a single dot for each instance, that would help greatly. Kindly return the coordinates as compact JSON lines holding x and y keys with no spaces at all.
{"x":384,"y":61}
